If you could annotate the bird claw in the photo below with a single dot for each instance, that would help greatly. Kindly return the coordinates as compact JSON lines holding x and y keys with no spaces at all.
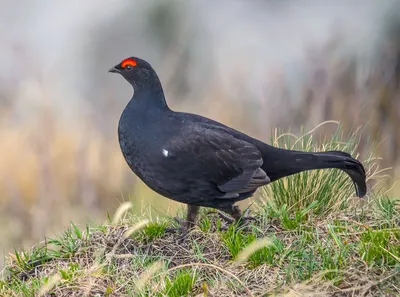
{"x":225,"y":217}
{"x":185,"y":227}
{"x":182,"y":226}
{"x":179,"y":220}
{"x":181,"y":231}
{"x":223,"y":228}
{"x":244,"y":223}
{"x":243,"y":220}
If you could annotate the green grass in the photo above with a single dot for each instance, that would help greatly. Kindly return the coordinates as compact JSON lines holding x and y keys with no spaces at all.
{"x":236,"y":240}
{"x":388,"y":209}
{"x":310,"y":238}
{"x":380,"y":247}
{"x":181,"y":284}
{"x":324,"y":190}
{"x":153,"y":230}
{"x":328,"y":247}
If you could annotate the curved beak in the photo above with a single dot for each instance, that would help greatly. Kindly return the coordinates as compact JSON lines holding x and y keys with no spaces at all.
{"x":113,"y":70}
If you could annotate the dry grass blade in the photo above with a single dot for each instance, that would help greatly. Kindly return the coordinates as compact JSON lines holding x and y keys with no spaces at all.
{"x":121,"y":210}
{"x":314,"y":129}
{"x":53,"y":280}
{"x":135,"y":228}
{"x":390,"y":253}
{"x":215,"y":267}
{"x":251,"y":249}
{"x":146,"y":275}
{"x":127,"y":233}
{"x":94,"y":271}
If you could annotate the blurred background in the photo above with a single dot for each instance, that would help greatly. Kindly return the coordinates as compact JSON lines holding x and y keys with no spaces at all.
{"x":254,"y":65}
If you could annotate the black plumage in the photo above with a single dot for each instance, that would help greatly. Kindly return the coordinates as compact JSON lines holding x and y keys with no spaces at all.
{"x":200,"y":162}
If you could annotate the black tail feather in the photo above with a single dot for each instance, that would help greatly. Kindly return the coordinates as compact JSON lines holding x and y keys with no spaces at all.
{"x":285,"y":163}
{"x":348,"y":164}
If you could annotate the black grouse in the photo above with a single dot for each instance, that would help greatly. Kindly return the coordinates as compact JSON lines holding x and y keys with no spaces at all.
{"x":200,"y":162}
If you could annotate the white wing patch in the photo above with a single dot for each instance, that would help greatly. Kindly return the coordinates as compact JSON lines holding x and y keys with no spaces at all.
{"x":165,"y":153}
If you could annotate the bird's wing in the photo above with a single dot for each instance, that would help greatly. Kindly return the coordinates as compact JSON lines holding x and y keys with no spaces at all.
{"x":232,"y":165}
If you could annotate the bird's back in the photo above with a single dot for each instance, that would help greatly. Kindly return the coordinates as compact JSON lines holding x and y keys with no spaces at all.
{"x":209,"y":124}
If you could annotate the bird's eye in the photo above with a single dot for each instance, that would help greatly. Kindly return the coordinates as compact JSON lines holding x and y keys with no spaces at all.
{"x":128,"y":67}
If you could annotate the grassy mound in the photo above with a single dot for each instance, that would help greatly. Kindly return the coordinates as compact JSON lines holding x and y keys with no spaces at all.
{"x":310,"y":238}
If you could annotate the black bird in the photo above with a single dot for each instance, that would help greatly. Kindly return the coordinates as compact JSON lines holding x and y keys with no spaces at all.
{"x":200,"y":162}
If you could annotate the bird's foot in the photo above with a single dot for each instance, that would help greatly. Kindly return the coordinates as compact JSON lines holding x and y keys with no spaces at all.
{"x":182,"y":230}
{"x":244,"y":223}
{"x":226,"y":217}
{"x":242,"y":220}
{"x":246,"y":217}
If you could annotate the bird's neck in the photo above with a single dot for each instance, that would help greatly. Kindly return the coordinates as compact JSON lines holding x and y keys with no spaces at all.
{"x":149,"y":93}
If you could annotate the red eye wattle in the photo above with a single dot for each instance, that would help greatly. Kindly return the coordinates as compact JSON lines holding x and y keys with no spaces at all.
{"x":129,"y":62}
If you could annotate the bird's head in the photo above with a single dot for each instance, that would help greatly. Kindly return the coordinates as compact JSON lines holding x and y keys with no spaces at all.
{"x":136,"y":71}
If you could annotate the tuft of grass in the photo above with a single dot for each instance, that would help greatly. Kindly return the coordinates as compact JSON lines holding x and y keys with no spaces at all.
{"x":236,"y":240}
{"x":209,"y":220}
{"x":324,"y":190}
{"x":380,"y":247}
{"x":267,"y":255}
{"x":387,"y":208}
{"x":27,"y":260}
{"x":68,"y":243}
{"x":153,"y":230}
{"x":181,"y":284}
{"x":290,"y":220}
{"x":205,"y":224}
{"x":69,"y":273}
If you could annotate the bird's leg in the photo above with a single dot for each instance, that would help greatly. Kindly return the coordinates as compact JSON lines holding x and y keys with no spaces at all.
{"x":185,"y":227}
{"x":236,"y":213}
{"x":191,"y":217}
